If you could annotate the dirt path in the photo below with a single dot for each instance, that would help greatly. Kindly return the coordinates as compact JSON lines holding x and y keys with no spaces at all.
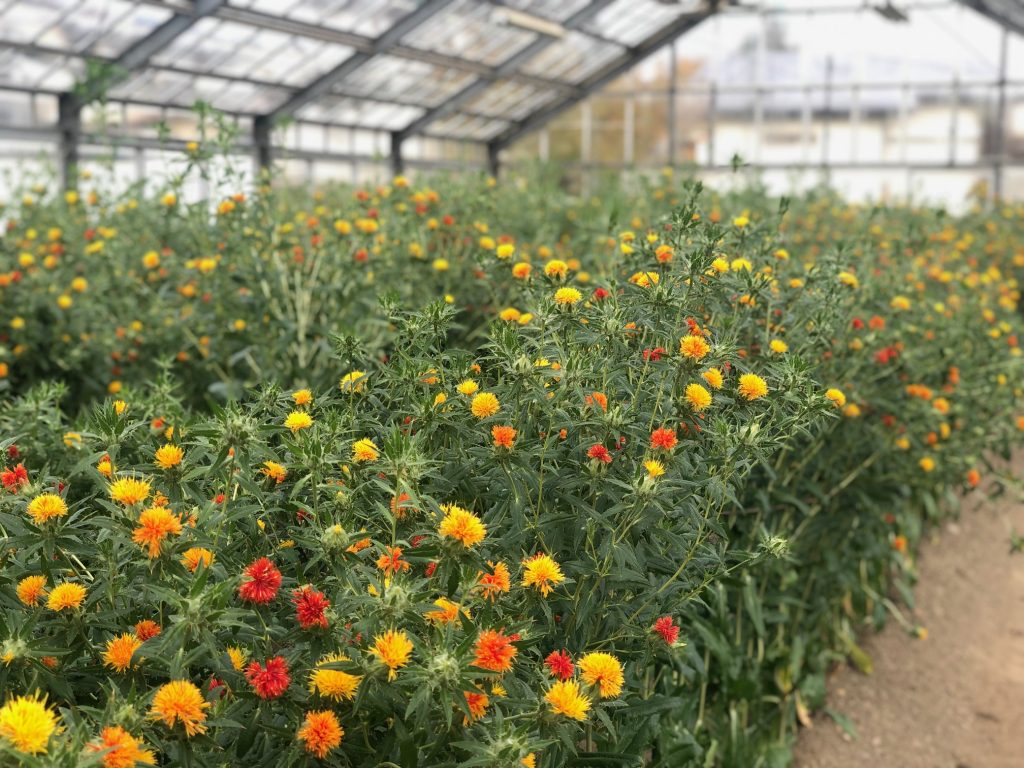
{"x":956,"y":699}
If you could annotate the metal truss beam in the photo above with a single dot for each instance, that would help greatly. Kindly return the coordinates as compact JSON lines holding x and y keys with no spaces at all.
{"x":995,"y":12}
{"x":383,"y":44}
{"x":365,"y":44}
{"x":505,"y":70}
{"x":139,"y":54}
{"x":613,"y":70}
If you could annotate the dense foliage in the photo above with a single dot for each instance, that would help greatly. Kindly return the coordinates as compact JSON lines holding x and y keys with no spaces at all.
{"x":473,"y":474}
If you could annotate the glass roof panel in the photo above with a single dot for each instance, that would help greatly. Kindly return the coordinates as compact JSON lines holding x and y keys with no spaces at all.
{"x":40,"y":71}
{"x":573,"y":58}
{"x":414,"y":82}
{"x":466,"y":29}
{"x":103,"y":27}
{"x":511,"y":100}
{"x":152,"y":85}
{"x":370,"y":18}
{"x":459,"y":126}
{"x":554,"y":10}
{"x":631,"y":21}
{"x":348,"y":111}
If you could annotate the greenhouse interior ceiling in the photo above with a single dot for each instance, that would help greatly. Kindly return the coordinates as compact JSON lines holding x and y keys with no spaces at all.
{"x":883,"y":97}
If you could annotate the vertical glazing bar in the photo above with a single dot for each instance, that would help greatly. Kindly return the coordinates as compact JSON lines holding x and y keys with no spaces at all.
{"x":586,"y":127}
{"x":826,"y":116}
{"x":805,"y":127}
{"x":954,"y":119}
{"x":672,"y":88}
{"x":855,"y":125}
{"x":999,"y":139}
{"x":712,"y":118}
{"x":628,"y":128}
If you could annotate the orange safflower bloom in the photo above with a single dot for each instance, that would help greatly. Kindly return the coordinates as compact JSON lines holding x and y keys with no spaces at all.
{"x":503,"y":436}
{"x":477,"y":705}
{"x":180,"y":701}
{"x":494,"y":651}
{"x":31,"y":589}
{"x":321,"y":732}
{"x":496,"y":582}
{"x":119,"y":651}
{"x":400,"y":506}
{"x":126,"y":751}
{"x":146,"y":629}
{"x":664,"y":438}
{"x":693,"y":347}
{"x":155,"y":525}
{"x":391,"y":561}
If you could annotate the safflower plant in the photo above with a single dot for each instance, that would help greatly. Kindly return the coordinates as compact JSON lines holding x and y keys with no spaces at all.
{"x":612,"y":516}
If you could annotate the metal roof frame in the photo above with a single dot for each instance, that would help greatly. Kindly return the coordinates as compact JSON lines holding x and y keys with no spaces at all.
{"x":509,"y":66}
{"x":613,"y":70}
{"x":1008,"y":13}
{"x":383,"y":44}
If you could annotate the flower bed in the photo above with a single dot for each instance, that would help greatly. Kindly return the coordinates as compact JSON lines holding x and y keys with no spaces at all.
{"x":616,"y":499}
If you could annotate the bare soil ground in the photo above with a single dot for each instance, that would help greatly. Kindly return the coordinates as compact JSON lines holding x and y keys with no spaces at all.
{"x":955,"y":699}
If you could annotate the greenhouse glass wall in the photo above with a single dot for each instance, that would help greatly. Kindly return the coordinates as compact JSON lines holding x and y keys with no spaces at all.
{"x":919,"y":100}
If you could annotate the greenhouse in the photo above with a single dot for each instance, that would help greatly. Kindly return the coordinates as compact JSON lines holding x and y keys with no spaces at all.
{"x":504,"y":383}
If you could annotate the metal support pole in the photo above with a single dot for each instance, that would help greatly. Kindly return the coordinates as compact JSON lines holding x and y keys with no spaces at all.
{"x":712,"y":119}
{"x":672,"y":86}
{"x":954,"y":119}
{"x":69,"y":127}
{"x":261,"y":141}
{"x":999,"y":135}
{"x":628,"y":130}
{"x":397,"y":163}
{"x":493,"y":160}
{"x":586,"y":126}
{"x":826,"y":116}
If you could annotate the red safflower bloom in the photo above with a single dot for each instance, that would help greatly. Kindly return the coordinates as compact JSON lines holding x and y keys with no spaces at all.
{"x":494,"y":651}
{"x":876,"y":323}
{"x":12,"y":451}
{"x":310,"y":606}
{"x":559,"y":663}
{"x":14,"y":479}
{"x":263,"y":582}
{"x":669,"y":632}
{"x":269,"y":681}
{"x":600,"y":294}
{"x":431,"y":567}
{"x":653,"y":355}
{"x":857,"y":324}
{"x":664,"y":438}
{"x":599,"y":452}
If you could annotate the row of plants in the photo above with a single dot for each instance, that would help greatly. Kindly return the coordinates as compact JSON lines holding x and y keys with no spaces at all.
{"x":593,"y":491}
